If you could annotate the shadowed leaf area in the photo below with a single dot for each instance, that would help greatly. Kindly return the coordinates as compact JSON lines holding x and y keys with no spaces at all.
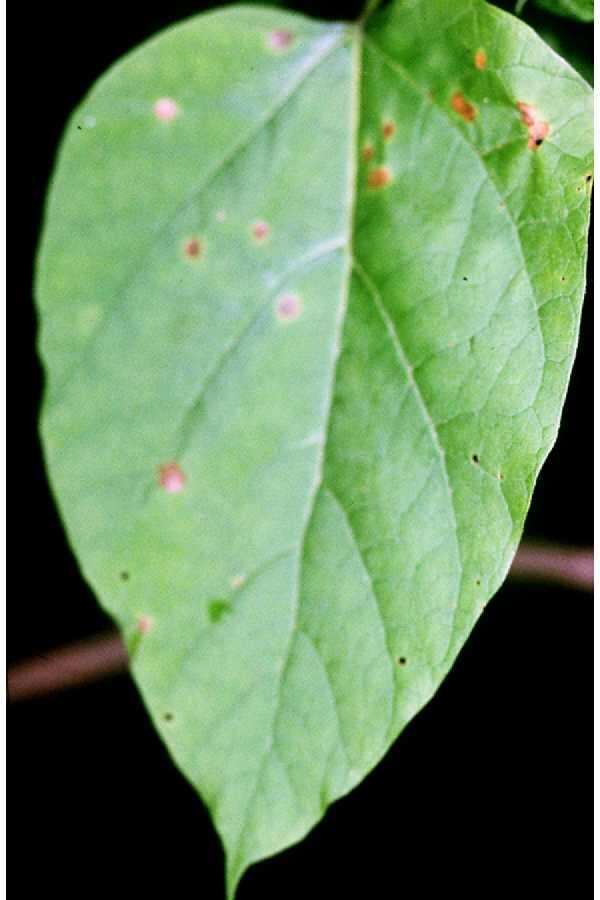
{"x":309,"y":299}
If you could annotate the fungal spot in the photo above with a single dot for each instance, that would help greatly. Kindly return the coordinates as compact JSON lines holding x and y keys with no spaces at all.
{"x":475,"y":459}
{"x":461,"y":106}
{"x":478,"y":582}
{"x":379,"y":177}
{"x":168,"y":717}
{"x":217,"y":609}
{"x":237,"y":581}
{"x":368,"y":152}
{"x":260,"y":231}
{"x":388,"y":129}
{"x":124,"y":576}
{"x":171,"y":477}
{"x":401,"y":660}
{"x":280,"y":40}
{"x":193,"y":248}
{"x":79,"y":128}
{"x":165,"y":109}
{"x":145,"y":624}
{"x":538,"y":130}
{"x":480,"y":60}
{"x":563,"y":279}
{"x":220,"y":215}
{"x":288,"y":307}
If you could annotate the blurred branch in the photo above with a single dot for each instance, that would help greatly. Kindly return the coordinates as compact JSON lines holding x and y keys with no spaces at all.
{"x":90,"y":660}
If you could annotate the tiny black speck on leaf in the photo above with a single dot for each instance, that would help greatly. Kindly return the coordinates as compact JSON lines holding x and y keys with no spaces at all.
{"x":475,"y":458}
{"x":401,"y":660}
{"x":168,"y":717}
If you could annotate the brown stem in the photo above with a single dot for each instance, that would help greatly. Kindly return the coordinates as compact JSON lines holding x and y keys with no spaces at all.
{"x":98,"y":657}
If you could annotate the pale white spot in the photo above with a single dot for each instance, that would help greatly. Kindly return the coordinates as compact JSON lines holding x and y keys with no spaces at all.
{"x":288,"y":307}
{"x":89,"y":121}
{"x":145,"y":624}
{"x":166,"y":109}
{"x":220,"y":215}
{"x":237,"y":581}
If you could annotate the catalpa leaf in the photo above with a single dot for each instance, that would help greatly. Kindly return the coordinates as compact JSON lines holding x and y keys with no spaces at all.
{"x":309,"y":299}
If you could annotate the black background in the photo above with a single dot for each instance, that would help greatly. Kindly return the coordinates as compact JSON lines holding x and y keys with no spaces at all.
{"x":487,"y":789}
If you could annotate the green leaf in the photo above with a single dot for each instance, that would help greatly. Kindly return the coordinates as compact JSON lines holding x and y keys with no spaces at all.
{"x":309,"y":299}
{"x":572,"y":9}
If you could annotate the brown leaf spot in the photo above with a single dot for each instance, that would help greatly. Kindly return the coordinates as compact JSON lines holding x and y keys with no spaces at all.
{"x":171,"y":477}
{"x":193,"y":248}
{"x":145,"y":624}
{"x":288,"y":307}
{"x":379,"y":177}
{"x":389,"y":129}
{"x":461,"y":106}
{"x":368,"y":152}
{"x":480,"y":60}
{"x":280,"y":40}
{"x":260,"y":231}
{"x":538,"y":130}
{"x":166,"y":109}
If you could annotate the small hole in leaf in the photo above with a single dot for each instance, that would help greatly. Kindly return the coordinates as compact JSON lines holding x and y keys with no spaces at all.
{"x":475,"y":459}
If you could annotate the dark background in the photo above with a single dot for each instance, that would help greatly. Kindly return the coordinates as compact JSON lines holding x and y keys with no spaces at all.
{"x":486,"y":789}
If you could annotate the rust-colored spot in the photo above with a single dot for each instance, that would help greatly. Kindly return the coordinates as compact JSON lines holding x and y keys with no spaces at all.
{"x":145,"y":624}
{"x":280,"y":40}
{"x":538,"y":130}
{"x":379,"y":177}
{"x":288,"y":307}
{"x":260,"y":231}
{"x":193,"y":248}
{"x":166,"y":109}
{"x":171,"y":477}
{"x":368,"y":152}
{"x":462,"y":106}
{"x":389,"y":129}
{"x":480,"y":60}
